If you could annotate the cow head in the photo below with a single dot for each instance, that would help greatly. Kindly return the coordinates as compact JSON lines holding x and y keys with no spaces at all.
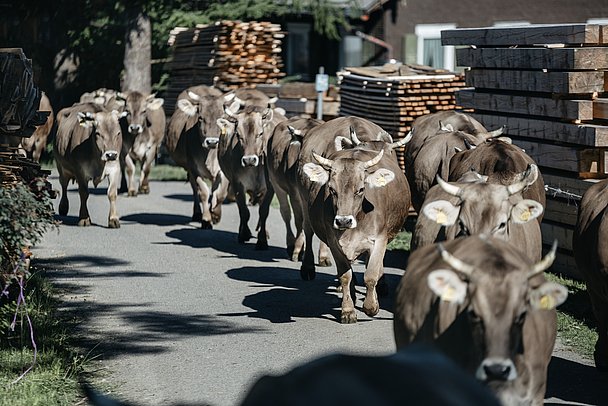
{"x":341,"y":142}
{"x":207,"y":109}
{"x":486,"y":208}
{"x":106,"y":128}
{"x":346,"y":179}
{"x":496,"y":301}
{"x":251,"y":127}
{"x":136,"y":105}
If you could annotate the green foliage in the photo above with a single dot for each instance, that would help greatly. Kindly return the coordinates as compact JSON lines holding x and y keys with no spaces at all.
{"x":168,"y":172}
{"x":400,"y":242}
{"x":27,"y":212}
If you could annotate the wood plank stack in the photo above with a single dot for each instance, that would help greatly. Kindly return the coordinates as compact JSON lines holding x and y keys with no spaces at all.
{"x":393,"y":96}
{"x":227,"y":54}
{"x":546,"y":84}
{"x":300,"y":99}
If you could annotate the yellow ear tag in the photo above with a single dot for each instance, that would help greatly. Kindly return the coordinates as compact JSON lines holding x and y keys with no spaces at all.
{"x":223,"y":131}
{"x":441,"y":217}
{"x":381,"y":181}
{"x":449,"y":294}
{"x":547,"y":302}
{"x":525,"y":215}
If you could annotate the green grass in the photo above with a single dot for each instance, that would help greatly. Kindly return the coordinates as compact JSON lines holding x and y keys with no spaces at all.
{"x":168,"y":172}
{"x":54,"y":378}
{"x":400,"y":242}
{"x":575,"y":321}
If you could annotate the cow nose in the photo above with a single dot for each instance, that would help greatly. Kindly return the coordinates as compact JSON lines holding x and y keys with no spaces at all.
{"x":497,"y":370}
{"x":250,"y":160}
{"x":344,"y":222}
{"x":111,"y":155}
{"x":135,"y":128}
{"x":211,"y":142}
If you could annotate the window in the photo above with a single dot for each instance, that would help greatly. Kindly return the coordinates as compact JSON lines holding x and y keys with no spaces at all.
{"x":429,"y":50}
{"x":298,"y":57}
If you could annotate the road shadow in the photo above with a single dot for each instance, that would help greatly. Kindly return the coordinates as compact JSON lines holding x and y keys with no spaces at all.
{"x":158,"y":219}
{"x":576,"y":383}
{"x":226,"y":242}
{"x":184,"y":197}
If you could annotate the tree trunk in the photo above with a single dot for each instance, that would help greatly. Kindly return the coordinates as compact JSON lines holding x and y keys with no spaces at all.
{"x":138,"y":51}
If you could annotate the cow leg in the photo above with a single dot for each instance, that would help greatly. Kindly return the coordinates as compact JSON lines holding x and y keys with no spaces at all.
{"x":285,"y":210}
{"x":203,"y":198}
{"x":307,"y":270}
{"x":114,"y":177}
{"x":373,"y":272}
{"x":324,"y":255}
{"x":298,"y":217}
{"x":83,"y":191}
{"x":218,"y":195}
{"x":197,"y":213}
{"x":345,"y":275}
{"x":600,"y":309}
{"x":64,"y":203}
{"x":144,"y":182}
{"x":262,"y":243}
{"x":130,"y":169}
{"x":244,"y":215}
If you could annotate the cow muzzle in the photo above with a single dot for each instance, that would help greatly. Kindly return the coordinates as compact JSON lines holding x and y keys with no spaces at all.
{"x":211,"y":142}
{"x":110,"y":156}
{"x":250,"y":160}
{"x":345,"y":222}
{"x":496,"y":369}
{"x":135,"y":129}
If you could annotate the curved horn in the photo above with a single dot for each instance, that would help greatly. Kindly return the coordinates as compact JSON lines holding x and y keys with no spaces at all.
{"x":384,"y":136}
{"x":338,"y":142}
{"x":240,"y":101}
{"x":449,"y":188}
{"x":468,"y":144}
{"x":293,"y":131}
{"x":528,"y":177}
{"x":231,"y":111}
{"x":454,"y":262}
{"x":544,"y":263}
{"x":193,"y":95}
{"x":353,"y":136}
{"x":497,"y":133}
{"x":374,"y":160}
{"x":322,"y":160}
{"x":402,"y":142}
{"x":229,"y":97}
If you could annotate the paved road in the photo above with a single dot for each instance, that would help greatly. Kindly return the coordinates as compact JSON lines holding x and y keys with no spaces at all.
{"x":189,"y":316}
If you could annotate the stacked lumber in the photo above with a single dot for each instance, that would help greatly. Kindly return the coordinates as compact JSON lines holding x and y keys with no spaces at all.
{"x":227,"y":54}
{"x":393,"y":96}
{"x":546,"y":84}
{"x":300,"y":99}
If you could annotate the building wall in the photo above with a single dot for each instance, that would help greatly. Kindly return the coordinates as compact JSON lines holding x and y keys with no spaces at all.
{"x":483,"y":13}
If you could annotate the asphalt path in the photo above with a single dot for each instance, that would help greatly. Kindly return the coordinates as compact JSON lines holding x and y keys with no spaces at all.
{"x":180,"y":315}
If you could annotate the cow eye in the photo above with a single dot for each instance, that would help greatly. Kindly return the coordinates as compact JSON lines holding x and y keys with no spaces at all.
{"x":464,"y":230}
{"x":260,"y":134}
{"x":360,"y":191}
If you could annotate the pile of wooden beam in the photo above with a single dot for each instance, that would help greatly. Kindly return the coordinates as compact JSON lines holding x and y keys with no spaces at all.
{"x":300,"y":99}
{"x":393,"y":96}
{"x":227,"y":54}
{"x":546,"y":84}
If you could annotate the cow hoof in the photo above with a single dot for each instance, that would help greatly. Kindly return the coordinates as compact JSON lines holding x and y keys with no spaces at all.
{"x":261,"y":245}
{"x":372,"y":310}
{"x":197,"y":217}
{"x":325,"y":262}
{"x":84,"y":222}
{"x":113,"y":223}
{"x":132,"y":193}
{"x":307,"y":274}
{"x":144,"y":190}
{"x":244,"y":235}
{"x":205,"y":225}
{"x":348,"y":317}
{"x":215,"y":219}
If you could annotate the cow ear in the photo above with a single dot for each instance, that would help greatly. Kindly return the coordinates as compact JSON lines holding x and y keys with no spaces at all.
{"x":340,"y":141}
{"x":525,"y":211}
{"x":316,"y":173}
{"x":293,"y":152}
{"x":224,"y":125}
{"x":548,"y":296}
{"x":155,"y":103}
{"x":380,"y":177}
{"x":188,"y":108}
{"x":267,"y":116}
{"x":447,"y":285}
{"x":86,"y":120}
{"x":441,"y":212}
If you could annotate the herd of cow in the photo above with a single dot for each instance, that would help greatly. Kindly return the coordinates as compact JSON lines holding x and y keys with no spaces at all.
{"x":480,"y":295}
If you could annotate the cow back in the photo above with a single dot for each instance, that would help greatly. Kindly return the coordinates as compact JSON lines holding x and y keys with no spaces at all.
{"x":70,"y":134}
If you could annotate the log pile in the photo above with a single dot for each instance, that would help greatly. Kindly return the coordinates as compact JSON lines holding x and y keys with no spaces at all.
{"x":227,"y":54}
{"x":546,"y":84}
{"x":393,"y":96}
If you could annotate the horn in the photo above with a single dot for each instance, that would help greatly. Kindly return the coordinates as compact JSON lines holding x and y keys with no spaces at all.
{"x":531,"y":171}
{"x":353,"y":136}
{"x":193,"y":96}
{"x":448,"y":187}
{"x":497,"y":133}
{"x":339,"y":140}
{"x":231,"y":111}
{"x":446,"y":127}
{"x":468,"y":144}
{"x":374,"y":160}
{"x":384,"y":136}
{"x":229,"y":97}
{"x":293,"y":131}
{"x":322,"y":160}
{"x":403,"y":141}
{"x":240,"y":101}
{"x":454,"y":262}
{"x":544,"y":263}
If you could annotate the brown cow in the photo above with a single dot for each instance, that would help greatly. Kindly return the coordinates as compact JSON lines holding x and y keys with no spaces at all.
{"x":241,"y":152}
{"x":434,"y":142}
{"x":143,"y":131}
{"x":192,"y":139}
{"x":35,"y":144}
{"x":481,"y":208}
{"x":87,"y":147}
{"x":358,"y":200}
{"x":502,"y":162}
{"x":590,"y":245}
{"x":488,"y":307}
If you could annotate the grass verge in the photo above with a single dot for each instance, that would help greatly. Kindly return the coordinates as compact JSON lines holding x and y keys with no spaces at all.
{"x":54,"y":378}
{"x":168,"y":172}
